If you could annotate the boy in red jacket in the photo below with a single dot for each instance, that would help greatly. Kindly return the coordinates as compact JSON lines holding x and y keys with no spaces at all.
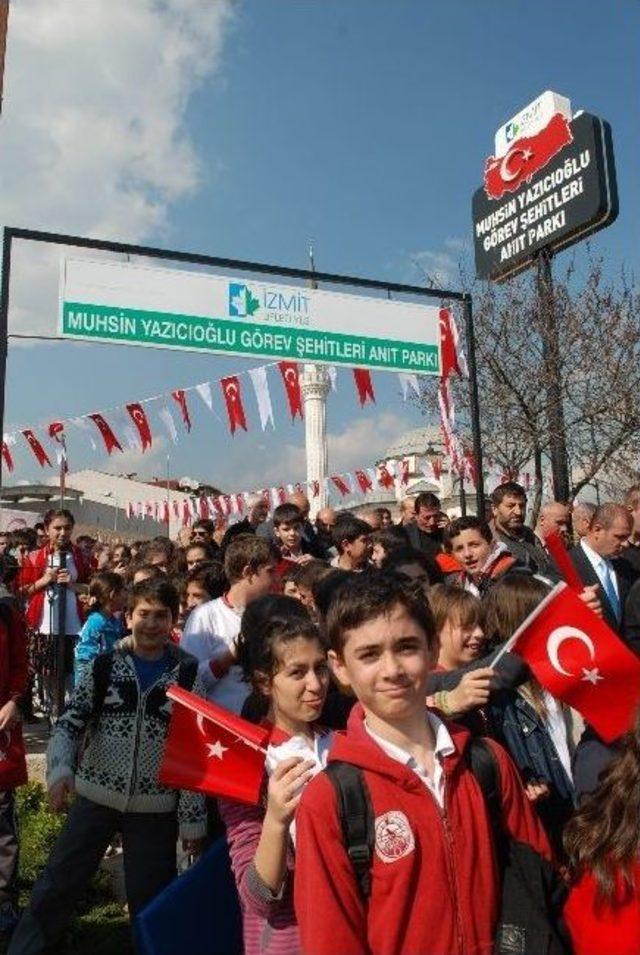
{"x":434,"y":883}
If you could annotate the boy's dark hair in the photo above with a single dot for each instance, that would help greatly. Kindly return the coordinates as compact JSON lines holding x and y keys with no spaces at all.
{"x":205,"y":523}
{"x":267,"y":622}
{"x":311,"y":572}
{"x":347,"y":528}
{"x":426,"y":499}
{"x":247,"y":550}
{"x":508,"y":489}
{"x":455,"y":604}
{"x":325,"y":589}
{"x":207,"y":548}
{"x":470,"y":523}
{"x":287,"y":514}
{"x":101,"y":586}
{"x":159,"y":545}
{"x":152,"y":570}
{"x":365,"y":597}
{"x":157,"y":589}
{"x":390,"y":538}
{"x":210,"y":576}
{"x":406,"y":556}
{"x":55,"y":513}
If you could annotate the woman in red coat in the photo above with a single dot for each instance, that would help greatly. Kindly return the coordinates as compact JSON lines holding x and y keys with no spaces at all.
{"x":48,"y":580}
{"x":603,"y":846}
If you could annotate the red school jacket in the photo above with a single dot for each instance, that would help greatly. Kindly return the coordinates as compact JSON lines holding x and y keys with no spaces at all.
{"x":434,"y":880}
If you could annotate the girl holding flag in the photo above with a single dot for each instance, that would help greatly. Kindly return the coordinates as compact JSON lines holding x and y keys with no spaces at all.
{"x":282,"y":657}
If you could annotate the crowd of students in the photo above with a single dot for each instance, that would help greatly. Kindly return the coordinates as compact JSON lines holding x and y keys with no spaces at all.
{"x":417,"y":799}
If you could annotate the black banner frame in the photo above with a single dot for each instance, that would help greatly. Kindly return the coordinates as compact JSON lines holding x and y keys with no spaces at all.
{"x":195,"y":258}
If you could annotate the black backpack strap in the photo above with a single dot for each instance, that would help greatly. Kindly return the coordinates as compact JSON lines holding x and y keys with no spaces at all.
{"x":101,"y":675}
{"x":187,"y":672}
{"x":484,"y":766}
{"x":356,"y":816}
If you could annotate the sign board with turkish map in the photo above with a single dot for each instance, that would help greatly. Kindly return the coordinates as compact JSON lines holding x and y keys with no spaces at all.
{"x":548,"y":190}
{"x":131,"y":304}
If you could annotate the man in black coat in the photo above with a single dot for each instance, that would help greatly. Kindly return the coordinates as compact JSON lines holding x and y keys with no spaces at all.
{"x":424,"y":532}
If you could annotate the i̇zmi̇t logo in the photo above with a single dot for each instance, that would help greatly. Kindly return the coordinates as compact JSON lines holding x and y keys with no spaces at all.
{"x":288,"y":307}
{"x":241,"y":301}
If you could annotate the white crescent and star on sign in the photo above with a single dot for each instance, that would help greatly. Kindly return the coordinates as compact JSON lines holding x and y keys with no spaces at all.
{"x":555,"y":640}
{"x":507,"y":172}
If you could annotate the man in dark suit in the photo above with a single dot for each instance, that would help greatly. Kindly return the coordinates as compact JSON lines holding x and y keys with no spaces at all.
{"x":597,"y":560}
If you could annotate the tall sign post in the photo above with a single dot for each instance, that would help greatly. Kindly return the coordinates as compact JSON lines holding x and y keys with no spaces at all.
{"x":550,"y":183}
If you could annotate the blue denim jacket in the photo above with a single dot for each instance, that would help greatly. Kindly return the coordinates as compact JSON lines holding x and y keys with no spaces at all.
{"x":525,"y":736}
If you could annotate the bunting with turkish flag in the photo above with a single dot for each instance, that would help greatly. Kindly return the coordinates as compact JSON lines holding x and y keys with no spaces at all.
{"x":364,"y":386}
{"x":581,"y":661}
{"x":233,"y":400}
{"x":139,"y":418}
{"x":213,"y":751}
{"x":384,"y":478}
{"x":291,"y":380}
{"x":111,"y":443}
{"x":179,"y":395}
{"x":6,"y":456}
{"x":453,"y":361}
{"x":341,"y":484}
{"x":364,"y":482}
{"x":40,"y":453}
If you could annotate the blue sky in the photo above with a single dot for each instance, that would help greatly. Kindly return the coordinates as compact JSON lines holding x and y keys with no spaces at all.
{"x":245,"y":130}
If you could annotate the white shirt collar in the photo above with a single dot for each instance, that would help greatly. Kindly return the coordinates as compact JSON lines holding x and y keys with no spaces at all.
{"x":595,"y":558}
{"x":443,"y":747}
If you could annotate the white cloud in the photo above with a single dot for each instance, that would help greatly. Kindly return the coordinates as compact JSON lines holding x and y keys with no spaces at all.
{"x":362,"y":442}
{"x":435,"y":268}
{"x":95,"y":95}
{"x":153,"y":463}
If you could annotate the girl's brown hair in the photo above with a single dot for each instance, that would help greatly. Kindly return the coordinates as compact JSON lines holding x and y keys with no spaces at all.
{"x":506,"y":606}
{"x":101,"y":587}
{"x":603,"y":836}
{"x":456,"y":604}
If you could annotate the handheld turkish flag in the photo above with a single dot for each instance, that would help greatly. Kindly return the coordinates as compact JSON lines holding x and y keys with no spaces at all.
{"x":526,"y":156}
{"x":291,"y":380}
{"x":213,"y":751}
{"x":139,"y":418}
{"x":581,"y":661}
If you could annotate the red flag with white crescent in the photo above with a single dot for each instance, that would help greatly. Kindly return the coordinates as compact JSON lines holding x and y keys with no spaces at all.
{"x":186,"y":512}
{"x":36,"y":447}
{"x":364,"y":482}
{"x":139,"y":418}
{"x":437,"y":467}
{"x":111,"y":443}
{"x":315,"y":488}
{"x":291,"y":380}
{"x":181,"y":398}
{"x":526,"y":156}
{"x":6,"y":456}
{"x":404,"y":471}
{"x":209,"y":749}
{"x":233,"y":400}
{"x":581,"y":661}
{"x":204,"y":508}
{"x":364,"y":385}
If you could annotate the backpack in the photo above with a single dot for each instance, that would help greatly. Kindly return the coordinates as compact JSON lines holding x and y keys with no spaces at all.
{"x":532,"y":892}
{"x":102,"y":666}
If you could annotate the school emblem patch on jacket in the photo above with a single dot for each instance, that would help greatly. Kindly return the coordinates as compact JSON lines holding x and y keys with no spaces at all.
{"x":394,"y":836}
